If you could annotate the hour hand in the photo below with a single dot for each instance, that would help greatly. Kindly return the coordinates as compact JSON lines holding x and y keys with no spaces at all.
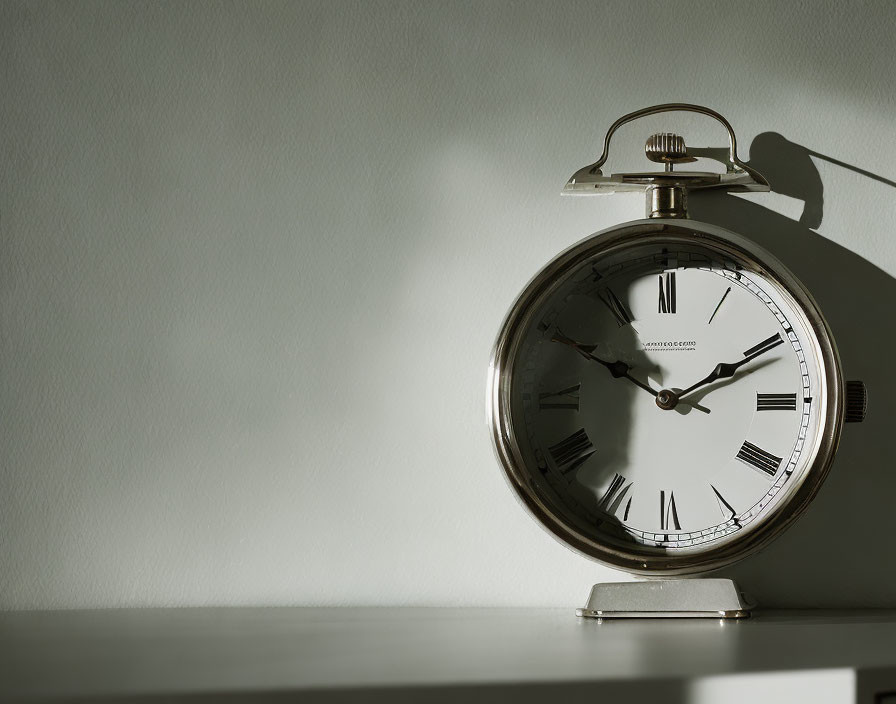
{"x":725,"y":370}
{"x":618,"y":369}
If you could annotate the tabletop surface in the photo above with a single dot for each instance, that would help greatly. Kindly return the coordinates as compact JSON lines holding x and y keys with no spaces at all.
{"x":335,"y":654}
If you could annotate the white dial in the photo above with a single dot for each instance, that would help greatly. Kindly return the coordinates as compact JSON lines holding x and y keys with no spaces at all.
{"x":667,"y":397}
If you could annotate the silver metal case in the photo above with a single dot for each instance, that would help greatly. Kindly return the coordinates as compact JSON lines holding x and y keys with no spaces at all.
{"x":533,"y":492}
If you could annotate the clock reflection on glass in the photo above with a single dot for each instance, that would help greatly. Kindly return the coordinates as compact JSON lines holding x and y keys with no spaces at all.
{"x":665,"y":396}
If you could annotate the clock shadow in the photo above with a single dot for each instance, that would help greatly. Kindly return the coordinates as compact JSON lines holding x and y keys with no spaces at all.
{"x":838,"y":553}
{"x":610,"y":409}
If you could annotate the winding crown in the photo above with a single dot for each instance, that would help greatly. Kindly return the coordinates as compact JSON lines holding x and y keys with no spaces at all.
{"x":666,"y":148}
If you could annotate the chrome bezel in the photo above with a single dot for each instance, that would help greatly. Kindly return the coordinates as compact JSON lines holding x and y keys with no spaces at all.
{"x":652,"y":561}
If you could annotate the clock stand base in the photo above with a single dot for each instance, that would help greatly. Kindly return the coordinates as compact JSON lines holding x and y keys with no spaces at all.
{"x":667,"y":598}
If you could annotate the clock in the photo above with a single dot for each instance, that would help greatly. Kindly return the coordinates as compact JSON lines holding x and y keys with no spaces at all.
{"x":665,"y":396}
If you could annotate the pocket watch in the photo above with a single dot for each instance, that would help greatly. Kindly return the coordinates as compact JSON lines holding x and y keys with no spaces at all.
{"x":665,"y":396}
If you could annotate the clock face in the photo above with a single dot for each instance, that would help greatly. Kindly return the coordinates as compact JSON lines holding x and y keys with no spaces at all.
{"x":666,"y":397}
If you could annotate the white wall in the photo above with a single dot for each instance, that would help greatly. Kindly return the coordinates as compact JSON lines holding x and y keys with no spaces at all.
{"x":253,"y":257}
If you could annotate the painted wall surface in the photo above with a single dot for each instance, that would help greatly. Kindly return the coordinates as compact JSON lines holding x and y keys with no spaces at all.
{"x":253,"y":257}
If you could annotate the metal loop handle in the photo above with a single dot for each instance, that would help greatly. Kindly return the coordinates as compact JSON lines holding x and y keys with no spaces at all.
{"x":734,"y":164}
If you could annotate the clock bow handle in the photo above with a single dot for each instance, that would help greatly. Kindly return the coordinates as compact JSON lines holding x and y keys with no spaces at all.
{"x":669,"y":149}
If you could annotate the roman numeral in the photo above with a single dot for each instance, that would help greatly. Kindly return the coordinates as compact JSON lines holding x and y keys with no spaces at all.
{"x":724,"y":296}
{"x":617,"y":307}
{"x":667,"y":292}
{"x":765,"y":345}
{"x":572,"y":451}
{"x":668,"y":512}
{"x":775,"y":402}
{"x":726,"y":508}
{"x":615,"y":495}
{"x":757,"y":457}
{"x":565,"y":398}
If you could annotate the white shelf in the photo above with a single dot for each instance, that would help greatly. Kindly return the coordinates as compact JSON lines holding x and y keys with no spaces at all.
{"x":440,"y":655}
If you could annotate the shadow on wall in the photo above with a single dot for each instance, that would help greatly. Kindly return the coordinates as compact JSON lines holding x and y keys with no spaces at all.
{"x":838,"y":553}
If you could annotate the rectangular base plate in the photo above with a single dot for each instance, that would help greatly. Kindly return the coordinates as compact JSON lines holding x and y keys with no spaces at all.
{"x":667,"y":598}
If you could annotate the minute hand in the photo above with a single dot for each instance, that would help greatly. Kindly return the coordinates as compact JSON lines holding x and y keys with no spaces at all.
{"x":726,"y":370}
